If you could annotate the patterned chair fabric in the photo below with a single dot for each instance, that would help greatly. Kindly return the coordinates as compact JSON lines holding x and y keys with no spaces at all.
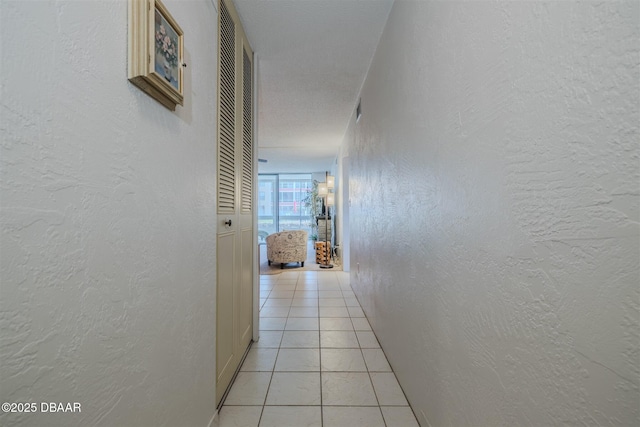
{"x":287,"y":246}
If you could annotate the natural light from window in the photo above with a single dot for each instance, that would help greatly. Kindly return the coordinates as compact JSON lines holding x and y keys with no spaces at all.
{"x":281,"y":203}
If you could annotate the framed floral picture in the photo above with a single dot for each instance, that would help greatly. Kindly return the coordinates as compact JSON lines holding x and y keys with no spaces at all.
{"x":156,"y":51}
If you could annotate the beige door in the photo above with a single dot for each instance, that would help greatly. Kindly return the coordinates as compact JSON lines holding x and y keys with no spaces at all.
{"x":235,"y":198}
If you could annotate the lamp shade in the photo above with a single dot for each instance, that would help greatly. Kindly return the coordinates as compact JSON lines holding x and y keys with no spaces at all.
{"x":331,"y":181}
{"x":331,"y":200}
{"x":323,"y":190}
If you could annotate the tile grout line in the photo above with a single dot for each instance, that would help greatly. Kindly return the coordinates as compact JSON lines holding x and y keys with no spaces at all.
{"x":367,"y":366}
{"x":320,"y":357}
{"x":301,"y":279}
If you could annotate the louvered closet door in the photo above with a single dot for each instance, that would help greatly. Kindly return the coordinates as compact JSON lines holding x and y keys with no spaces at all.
{"x":235,"y":198}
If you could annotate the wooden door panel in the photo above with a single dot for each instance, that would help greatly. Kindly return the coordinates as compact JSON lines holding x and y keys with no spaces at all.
{"x":246,"y":287}
{"x":234,"y":329}
{"x":225,"y":340}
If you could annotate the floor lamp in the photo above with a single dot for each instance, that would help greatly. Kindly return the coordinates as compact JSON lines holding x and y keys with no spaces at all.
{"x":329,"y":198}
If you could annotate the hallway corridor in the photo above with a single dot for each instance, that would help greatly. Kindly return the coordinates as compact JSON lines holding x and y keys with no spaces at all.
{"x":317,"y":363}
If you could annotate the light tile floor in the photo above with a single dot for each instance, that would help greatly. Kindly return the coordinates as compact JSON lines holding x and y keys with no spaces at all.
{"x":317,"y":363}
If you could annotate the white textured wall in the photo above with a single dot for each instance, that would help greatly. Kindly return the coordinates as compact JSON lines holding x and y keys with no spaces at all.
{"x":495,"y":208}
{"x":107,"y":209}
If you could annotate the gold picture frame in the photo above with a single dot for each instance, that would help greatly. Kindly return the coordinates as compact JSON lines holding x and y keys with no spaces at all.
{"x":156,"y":52}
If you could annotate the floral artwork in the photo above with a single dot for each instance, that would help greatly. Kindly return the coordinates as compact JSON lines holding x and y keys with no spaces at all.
{"x":156,"y":52}
{"x":167,"y":50}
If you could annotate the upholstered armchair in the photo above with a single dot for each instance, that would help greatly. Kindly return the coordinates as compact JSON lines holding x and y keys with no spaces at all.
{"x":287,"y":246}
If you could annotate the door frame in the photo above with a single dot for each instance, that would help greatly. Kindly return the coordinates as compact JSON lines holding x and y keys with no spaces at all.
{"x":256,"y":252}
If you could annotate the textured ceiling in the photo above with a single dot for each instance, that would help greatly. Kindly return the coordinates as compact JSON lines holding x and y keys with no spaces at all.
{"x":313,"y":56}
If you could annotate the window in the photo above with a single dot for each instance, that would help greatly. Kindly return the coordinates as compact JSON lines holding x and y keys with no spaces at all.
{"x":281,"y":202}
